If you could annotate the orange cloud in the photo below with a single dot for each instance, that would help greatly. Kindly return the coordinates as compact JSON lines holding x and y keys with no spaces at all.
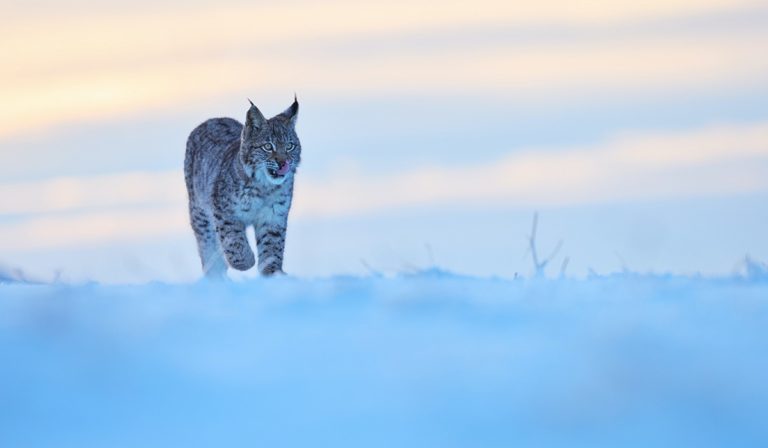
{"x":65,"y":68}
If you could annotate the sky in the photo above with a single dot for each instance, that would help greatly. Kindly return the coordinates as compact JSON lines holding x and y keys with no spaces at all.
{"x":431,"y":132}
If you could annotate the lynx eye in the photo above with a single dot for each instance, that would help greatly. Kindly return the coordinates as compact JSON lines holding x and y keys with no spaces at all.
{"x":267,"y":147}
{"x":290,"y":147}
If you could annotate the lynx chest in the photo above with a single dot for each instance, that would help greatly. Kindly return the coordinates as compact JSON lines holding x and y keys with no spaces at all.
{"x":253,"y":205}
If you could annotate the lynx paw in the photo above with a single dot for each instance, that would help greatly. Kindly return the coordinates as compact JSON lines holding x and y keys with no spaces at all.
{"x":271,"y":266}
{"x":243,"y":262}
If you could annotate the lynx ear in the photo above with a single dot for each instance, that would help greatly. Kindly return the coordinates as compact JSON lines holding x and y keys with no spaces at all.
{"x":254,"y":119}
{"x":292,"y":113}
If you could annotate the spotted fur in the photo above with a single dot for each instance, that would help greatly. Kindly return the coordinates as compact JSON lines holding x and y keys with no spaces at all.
{"x":239,"y":176}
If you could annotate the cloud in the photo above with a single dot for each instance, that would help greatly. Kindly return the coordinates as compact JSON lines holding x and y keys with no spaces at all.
{"x":92,"y":228}
{"x":67,"y":68}
{"x":522,"y":71}
{"x":715,"y":161}
{"x":77,"y":193}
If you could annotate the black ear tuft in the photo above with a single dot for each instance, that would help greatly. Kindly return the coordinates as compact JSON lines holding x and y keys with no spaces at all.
{"x":292,"y":113}
{"x":254,"y":119}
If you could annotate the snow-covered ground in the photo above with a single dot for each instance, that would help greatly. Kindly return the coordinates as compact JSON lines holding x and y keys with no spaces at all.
{"x":425,"y":360}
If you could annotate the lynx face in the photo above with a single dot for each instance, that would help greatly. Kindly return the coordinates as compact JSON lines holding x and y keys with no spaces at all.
{"x":270,"y":150}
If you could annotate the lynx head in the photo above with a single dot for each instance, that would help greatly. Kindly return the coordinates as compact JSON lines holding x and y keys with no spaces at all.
{"x":270,"y":150}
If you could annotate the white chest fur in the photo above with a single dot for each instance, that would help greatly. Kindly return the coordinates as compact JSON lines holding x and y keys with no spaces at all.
{"x":248,"y":208}
{"x":252,"y":208}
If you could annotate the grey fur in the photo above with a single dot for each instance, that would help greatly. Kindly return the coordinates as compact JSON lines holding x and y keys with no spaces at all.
{"x":233,"y":181}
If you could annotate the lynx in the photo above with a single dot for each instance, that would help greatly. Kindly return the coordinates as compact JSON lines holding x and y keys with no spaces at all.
{"x":239,"y":176}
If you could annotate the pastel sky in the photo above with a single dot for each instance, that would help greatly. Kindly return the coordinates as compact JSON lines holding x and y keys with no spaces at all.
{"x":431,"y":130}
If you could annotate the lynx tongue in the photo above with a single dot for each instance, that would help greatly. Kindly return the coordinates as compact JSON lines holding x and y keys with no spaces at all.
{"x":284,"y":168}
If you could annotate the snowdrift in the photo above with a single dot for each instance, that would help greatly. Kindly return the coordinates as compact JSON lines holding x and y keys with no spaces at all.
{"x":431,"y":359}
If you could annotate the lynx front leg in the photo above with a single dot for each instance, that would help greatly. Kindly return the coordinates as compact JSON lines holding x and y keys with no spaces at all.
{"x":270,"y":242}
{"x":235,"y":245}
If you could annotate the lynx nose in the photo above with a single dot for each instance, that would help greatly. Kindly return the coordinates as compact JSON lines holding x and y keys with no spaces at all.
{"x":284,"y":166}
{"x":280,"y":160}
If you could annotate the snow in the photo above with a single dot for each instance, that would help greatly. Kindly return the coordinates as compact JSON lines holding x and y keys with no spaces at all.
{"x":422,"y":360}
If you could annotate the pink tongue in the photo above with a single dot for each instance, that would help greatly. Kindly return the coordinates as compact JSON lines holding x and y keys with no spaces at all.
{"x":284,"y":169}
